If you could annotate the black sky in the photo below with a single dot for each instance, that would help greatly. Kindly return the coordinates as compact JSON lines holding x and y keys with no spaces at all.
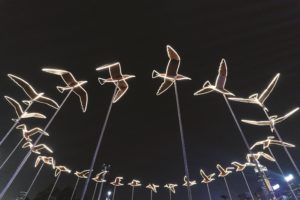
{"x":257,"y":38}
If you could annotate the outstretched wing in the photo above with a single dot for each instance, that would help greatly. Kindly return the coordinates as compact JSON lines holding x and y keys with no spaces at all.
{"x":48,"y":101}
{"x":174,"y":62}
{"x":26,"y":87}
{"x":280,"y":119}
{"x":122,"y":88}
{"x":257,"y":123}
{"x":15,"y":104}
{"x":265,"y":94}
{"x":83,"y":96}
{"x":164,"y":86}
{"x":242,"y":100}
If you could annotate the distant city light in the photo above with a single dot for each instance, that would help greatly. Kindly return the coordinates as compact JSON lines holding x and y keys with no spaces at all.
{"x":276,"y":187}
{"x":109,"y":193}
{"x":289,"y":177}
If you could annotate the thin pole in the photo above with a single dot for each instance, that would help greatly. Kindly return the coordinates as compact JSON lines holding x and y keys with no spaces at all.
{"x":208,"y":190}
{"x":114,"y":192}
{"x":11,"y":153}
{"x":100,"y":191}
{"x":183,"y":144}
{"x":97,"y":147}
{"x":37,"y":174}
{"x":170,"y":195}
{"x":227,"y":187}
{"x":54,"y":186}
{"x":132,"y":193}
{"x":95,"y":189}
{"x":246,"y":181}
{"x":281,"y":171}
{"x":150,"y":194}
{"x":21,"y":165}
{"x":14,"y":125}
{"x":264,"y":177}
{"x":74,"y":190}
{"x":284,"y":147}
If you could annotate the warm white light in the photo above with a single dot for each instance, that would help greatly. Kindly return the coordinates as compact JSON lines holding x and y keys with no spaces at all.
{"x":276,"y":187}
{"x":289,"y":177}
{"x":109,"y":193}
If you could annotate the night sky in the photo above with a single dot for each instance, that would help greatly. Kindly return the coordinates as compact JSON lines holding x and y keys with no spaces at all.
{"x":257,"y":38}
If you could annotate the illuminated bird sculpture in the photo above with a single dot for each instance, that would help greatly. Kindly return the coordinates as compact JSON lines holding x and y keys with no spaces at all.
{"x":273,"y":120}
{"x":71,"y":84}
{"x":117,"y":182}
{"x":259,"y":99}
{"x":171,"y":187}
{"x":171,"y":75}
{"x":258,"y":155}
{"x":36,"y":148}
{"x":188,"y":183}
{"x":152,"y":187}
{"x":271,"y":141}
{"x":220,"y":82}
{"x":117,"y":78}
{"x":27,"y":134}
{"x":20,"y":112}
{"x":47,"y":160}
{"x":239,"y":167}
{"x":135,"y":183}
{"x":82,"y":174}
{"x":207,"y":178}
{"x":59,"y":169}
{"x":32,"y":93}
{"x":224,"y":171}
{"x":100,"y":177}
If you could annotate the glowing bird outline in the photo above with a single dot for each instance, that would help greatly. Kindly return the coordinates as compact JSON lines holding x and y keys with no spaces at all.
{"x":171,"y":75}
{"x":259,"y":99}
{"x":135,"y":183}
{"x":82,"y":174}
{"x":171,"y":187}
{"x":72,"y":84}
{"x":20,"y":112}
{"x":207,"y":178}
{"x":239,"y":167}
{"x":29,"y":133}
{"x":36,"y":148}
{"x":270,"y":141}
{"x":188,"y":183}
{"x":153,"y":187}
{"x":117,"y":78}
{"x":220,"y":82}
{"x":258,"y":155}
{"x":47,"y":160}
{"x":224,"y":171}
{"x":59,"y":169}
{"x":32,"y":93}
{"x":100,"y":177}
{"x":273,"y":120}
{"x":117,"y":182}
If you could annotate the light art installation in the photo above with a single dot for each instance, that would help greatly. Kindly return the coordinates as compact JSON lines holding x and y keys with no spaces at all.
{"x":80,"y":175}
{"x":117,"y":78}
{"x":187,"y":183}
{"x":273,"y":120}
{"x":206,"y":179}
{"x":171,"y":77}
{"x":239,"y":167}
{"x":71,"y":85}
{"x":116,"y":183}
{"x":153,"y":188}
{"x":121,"y":86}
{"x":99,"y":178}
{"x":58,"y":170}
{"x":223,"y":173}
{"x":36,"y":148}
{"x":220,"y":82}
{"x":171,"y":187}
{"x":259,"y":99}
{"x":32,"y":93}
{"x":271,"y":141}
{"x":258,"y":155}
{"x":21,"y":114}
{"x":134,"y":183}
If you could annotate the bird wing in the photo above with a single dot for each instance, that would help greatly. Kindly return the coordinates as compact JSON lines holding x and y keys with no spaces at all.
{"x":115,"y":71}
{"x":280,"y":119}
{"x":37,"y":161}
{"x":122,"y":88}
{"x":18,"y":109}
{"x":257,"y":123}
{"x":242,"y":100}
{"x":265,"y":94}
{"x":277,"y":142}
{"x":34,"y":115}
{"x":255,"y":144}
{"x":268,"y":157}
{"x":174,"y":62}
{"x":48,"y":101}
{"x":204,"y":176}
{"x":83,"y":96}
{"x":26,"y":87}
{"x":43,"y":146}
{"x":164,"y":86}
{"x":67,"y":76}
{"x":222,"y":75}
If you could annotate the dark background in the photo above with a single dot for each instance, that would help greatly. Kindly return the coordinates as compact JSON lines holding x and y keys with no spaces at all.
{"x":257,"y":38}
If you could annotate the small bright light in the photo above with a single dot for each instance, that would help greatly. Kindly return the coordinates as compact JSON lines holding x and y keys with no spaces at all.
{"x":276,"y":187}
{"x":108,"y":193}
{"x":288,"y":178}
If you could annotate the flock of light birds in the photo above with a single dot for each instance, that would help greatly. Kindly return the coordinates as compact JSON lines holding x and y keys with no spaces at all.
{"x":120,"y":81}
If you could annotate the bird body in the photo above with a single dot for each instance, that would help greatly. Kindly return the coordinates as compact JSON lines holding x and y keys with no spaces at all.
{"x":239,"y":167}
{"x":117,"y":182}
{"x":224,"y":171}
{"x":100,"y":177}
{"x":60,"y":169}
{"x":27,"y":134}
{"x":46,"y":160}
{"x":135,"y":183}
{"x":207,"y":178}
{"x":36,"y":148}
{"x":171,"y":187}
{"x":152,"y":187}
{"x":82,"y":174}
{"x":171,"y":75}
{"x":220,"y":82}
{"x":187,"y":182}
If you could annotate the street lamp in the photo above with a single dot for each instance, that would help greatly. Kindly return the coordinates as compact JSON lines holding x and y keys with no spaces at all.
{"x":289,"y":178}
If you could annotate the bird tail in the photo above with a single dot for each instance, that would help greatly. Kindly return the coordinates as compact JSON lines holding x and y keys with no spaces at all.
{"x":155,"y":74}
{"x":62,"y":89}
{"x":102,"y":81}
